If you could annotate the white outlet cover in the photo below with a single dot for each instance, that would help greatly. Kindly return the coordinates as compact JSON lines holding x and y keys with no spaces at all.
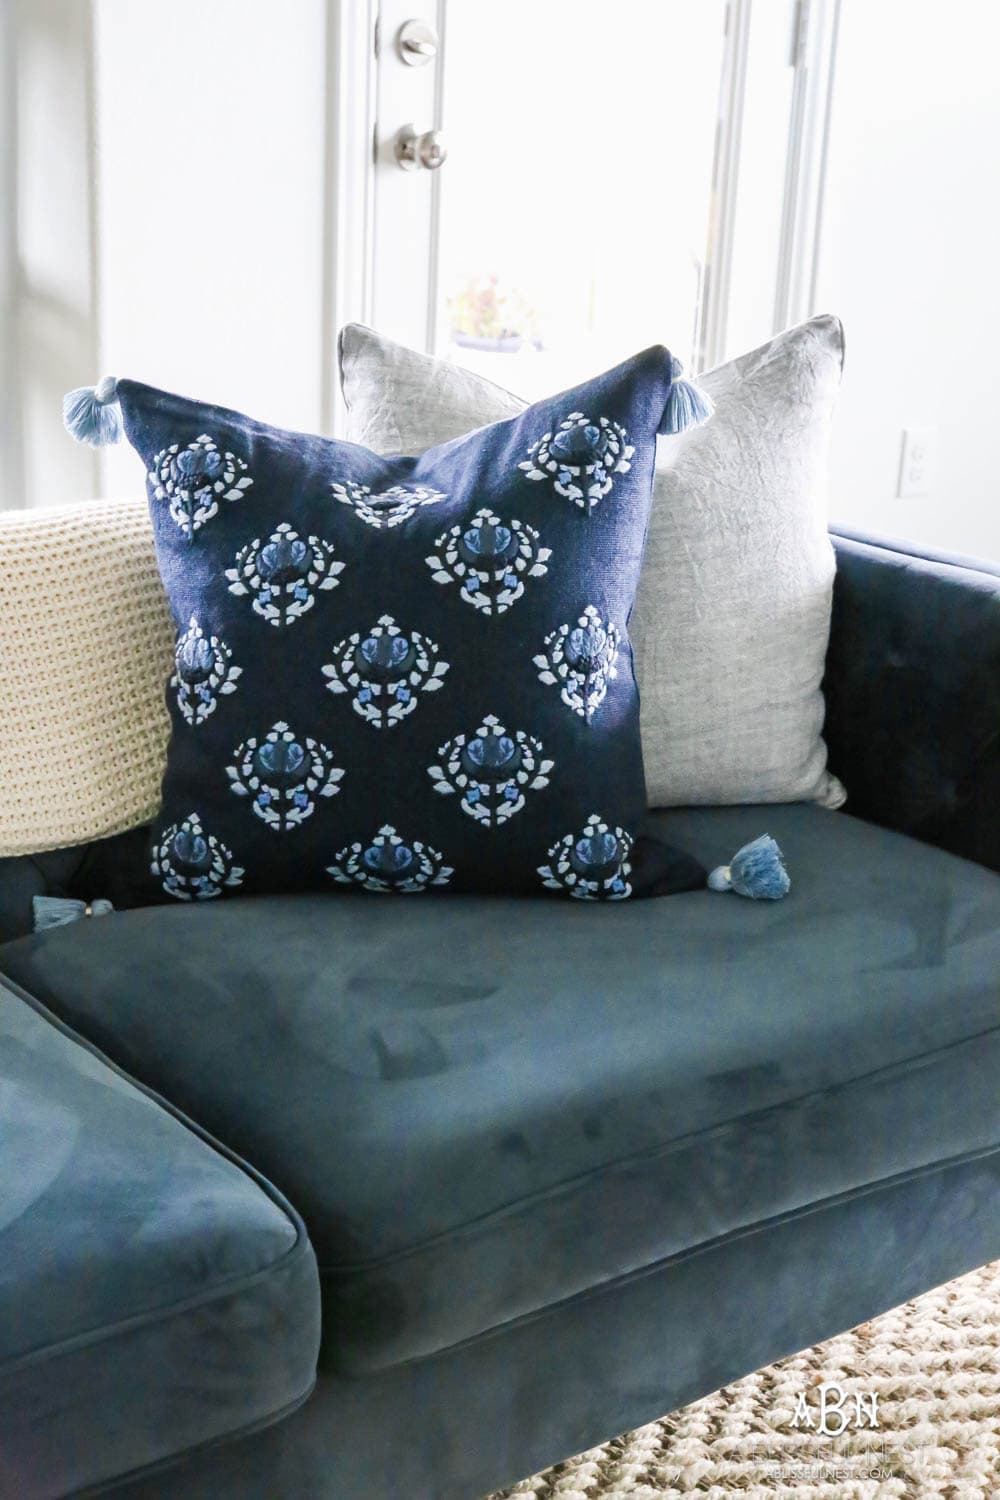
{"x":917,"y":462}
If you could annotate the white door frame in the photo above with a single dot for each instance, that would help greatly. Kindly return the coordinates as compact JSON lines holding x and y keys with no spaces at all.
{"x":349,"y":212}
{"x":725,"y":179}
{"x":814,"y":53}
{"x":767,"y":247}
{"x":11,"y":453}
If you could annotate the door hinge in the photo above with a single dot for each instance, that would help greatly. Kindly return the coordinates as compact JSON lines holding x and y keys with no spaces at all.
{"x":377,"y":35}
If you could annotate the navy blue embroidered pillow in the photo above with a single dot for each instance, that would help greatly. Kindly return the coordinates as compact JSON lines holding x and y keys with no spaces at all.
{"x":410,"y":673}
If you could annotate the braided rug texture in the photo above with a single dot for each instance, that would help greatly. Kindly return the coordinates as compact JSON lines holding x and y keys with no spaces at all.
{"x":934,"y":1365}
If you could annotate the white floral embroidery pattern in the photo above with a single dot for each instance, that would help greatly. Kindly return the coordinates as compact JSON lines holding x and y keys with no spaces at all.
{"x":390,"y":864}
{"x":491,"y":770}
{"x":284,"y":574}
{"x":581,"y":659}
{"x":195,"y":478}
{"x":389,"y":507}
{"x":283,"y":776}
{"x":202,"y":673}
{"x":581,"y":458}
{"x":386,"y":670}
{"x":592,"y":865}
{"x":490,"y":559}
{"x":193,"y":865}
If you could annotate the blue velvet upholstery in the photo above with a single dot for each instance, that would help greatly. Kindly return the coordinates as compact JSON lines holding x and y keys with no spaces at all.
{"x":853,"y":1026}
{"x":155,"y":1293}
{"x":540,"y":1099}
{"x":489,"y":1412}
{"x":913,"y":692}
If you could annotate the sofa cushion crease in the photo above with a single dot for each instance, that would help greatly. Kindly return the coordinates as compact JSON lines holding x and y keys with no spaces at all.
{"x":567,"y":1188}
{"x":656,"y":1268}
{"x":104,"y":1333}
{"x":166,"y":1466}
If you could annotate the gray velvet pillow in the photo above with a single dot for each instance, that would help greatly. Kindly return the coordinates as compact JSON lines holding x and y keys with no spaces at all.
{"x":732,"y":617}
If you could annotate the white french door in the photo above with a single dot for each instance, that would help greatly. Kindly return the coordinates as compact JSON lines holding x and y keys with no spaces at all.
{"x":617,"y":172}
{"x":554,"y":184}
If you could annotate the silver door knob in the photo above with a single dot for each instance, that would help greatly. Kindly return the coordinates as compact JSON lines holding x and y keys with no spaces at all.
{"x":414,"y":151}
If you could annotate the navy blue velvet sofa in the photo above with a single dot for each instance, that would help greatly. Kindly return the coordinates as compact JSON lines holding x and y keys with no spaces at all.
{"x":313,"y":1199}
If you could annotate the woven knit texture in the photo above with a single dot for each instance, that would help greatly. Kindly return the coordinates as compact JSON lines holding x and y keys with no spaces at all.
{"x":934,"y":1365}
{"x":86,"y":643}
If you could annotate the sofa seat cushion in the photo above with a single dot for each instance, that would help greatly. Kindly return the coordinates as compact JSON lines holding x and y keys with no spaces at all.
{"x":484,"y":1106}
{"x":155,"y":1293}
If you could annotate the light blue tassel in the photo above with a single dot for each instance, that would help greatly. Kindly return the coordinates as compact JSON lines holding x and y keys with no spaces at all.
{"x":687,"y":404}
{"x":757,"y":870}
{"x":92,"y":414}
{"x":57,"y":911}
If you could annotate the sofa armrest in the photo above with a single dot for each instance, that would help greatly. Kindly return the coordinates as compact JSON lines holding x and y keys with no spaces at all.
{"x":158,"y":1295}
{"x":912,"y":691}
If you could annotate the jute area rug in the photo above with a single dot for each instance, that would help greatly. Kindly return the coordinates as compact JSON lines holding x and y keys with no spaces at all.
{"x":934,"y":1366}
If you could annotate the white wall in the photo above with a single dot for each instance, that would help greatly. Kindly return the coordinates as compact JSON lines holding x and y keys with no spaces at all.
{"x":210,"y":170}
{"x":169,"y":159}
{"x":48,"y":271}
{"x":910,"y":259}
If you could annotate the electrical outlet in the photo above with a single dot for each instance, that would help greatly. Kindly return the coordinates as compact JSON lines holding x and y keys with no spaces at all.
{"x":917,"y":462}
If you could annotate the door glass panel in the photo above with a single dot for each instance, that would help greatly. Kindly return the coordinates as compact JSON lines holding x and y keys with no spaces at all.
{"x":576,"y":200}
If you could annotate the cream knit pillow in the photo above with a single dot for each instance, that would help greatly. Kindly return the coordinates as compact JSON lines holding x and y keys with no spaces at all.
{"x":86,"y":642}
